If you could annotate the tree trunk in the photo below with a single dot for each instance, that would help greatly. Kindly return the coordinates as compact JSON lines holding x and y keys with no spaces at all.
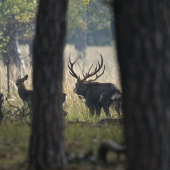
{"x":81,"y":40}
{"x":1,"y":102}
{"x":11,"y":31}
{"x":8,"y":77}
{"x":12,"y":56}
{"x":47,"y":143}
{"x":143,"y":40}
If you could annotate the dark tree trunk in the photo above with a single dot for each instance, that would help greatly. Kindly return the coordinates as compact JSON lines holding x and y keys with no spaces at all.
{"x":47,"y":143}
{"x":143,"y":44}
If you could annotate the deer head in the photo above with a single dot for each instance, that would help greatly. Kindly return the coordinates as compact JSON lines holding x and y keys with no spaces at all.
{"x":87,"y":75}
{"x":20,"y":81}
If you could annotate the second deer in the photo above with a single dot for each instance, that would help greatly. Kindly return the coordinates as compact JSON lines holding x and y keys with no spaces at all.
{"x":96,"y":95}
{"x":26,"y":95}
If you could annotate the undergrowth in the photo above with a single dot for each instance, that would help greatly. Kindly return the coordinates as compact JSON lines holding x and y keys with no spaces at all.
{"x":79,"y":139}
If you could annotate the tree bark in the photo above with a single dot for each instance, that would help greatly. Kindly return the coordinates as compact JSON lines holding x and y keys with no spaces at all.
{"x":143,"y":39}
{"x":47,"y":143}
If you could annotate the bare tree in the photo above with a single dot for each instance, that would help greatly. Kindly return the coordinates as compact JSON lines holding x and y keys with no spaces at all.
{"x":47,"y":144}
{"x":1,"y":102}
{"x":11,"y":56}
{"x":143,"y":40}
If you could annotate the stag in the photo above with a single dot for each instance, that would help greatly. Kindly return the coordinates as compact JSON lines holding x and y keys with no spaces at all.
{"x":96,"y":95}
{"x":26,"y":95}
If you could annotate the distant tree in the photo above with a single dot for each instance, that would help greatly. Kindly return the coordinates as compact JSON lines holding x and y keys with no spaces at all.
{"x":82,"y":17}
{"x":47,"y":144}
{"x":1,"y":102}
{"x":143,"y":40}
{"x":14,"y":15}
{"x":98,"y":13}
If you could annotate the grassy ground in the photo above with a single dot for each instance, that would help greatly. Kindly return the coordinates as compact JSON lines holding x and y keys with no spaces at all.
{"x":79,"y":139}
{"x":83,"y":133}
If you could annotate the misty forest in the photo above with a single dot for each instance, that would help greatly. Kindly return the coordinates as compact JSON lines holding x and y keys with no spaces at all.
{"x":84,"y":85}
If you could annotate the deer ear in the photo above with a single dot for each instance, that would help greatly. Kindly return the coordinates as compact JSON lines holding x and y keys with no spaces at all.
{"x":26,"y":77}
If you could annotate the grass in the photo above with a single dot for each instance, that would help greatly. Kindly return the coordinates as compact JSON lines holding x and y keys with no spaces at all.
{"x":13,"y":145}
{"x":79,"y":138}
{"x":83,"y":137}
{"x":82,"y":134}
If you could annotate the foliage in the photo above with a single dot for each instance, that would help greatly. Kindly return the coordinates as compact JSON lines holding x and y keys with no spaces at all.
{"x":86,"y":13}
{"x":20,"y":12}
{"x":81,"y":14}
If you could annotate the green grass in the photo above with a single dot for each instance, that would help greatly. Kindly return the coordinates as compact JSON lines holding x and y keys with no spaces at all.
{"x":13,"y":145}
{"x":83,"y":137}
{"x":80,"y":137}
{"x":82,"y":134}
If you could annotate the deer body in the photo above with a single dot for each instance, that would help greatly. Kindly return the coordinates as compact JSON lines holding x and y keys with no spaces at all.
{"x":97,"y":95}
{"x":25,"y":94}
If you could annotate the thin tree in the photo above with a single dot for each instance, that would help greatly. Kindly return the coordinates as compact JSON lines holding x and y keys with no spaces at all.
{"x":143,"y":45}
{"x":47,"y":143}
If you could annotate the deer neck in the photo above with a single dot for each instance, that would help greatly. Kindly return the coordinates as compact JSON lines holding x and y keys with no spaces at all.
{"x":81,"y":90}
{"x":21,"y":89}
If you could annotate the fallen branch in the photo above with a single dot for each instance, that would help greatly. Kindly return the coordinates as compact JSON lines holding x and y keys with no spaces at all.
{"x":16,"y":110}
{"x":107,"y":146}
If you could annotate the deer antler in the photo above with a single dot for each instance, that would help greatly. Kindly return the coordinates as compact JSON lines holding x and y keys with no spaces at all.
{"x":97,"y":76}
{"x":71,"y":68}
{"x":97,"y":69}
